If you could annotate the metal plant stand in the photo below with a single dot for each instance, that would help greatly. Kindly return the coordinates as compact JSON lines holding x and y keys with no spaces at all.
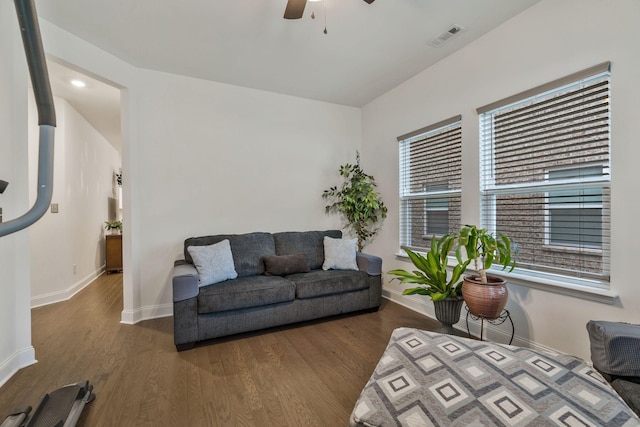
{"x":497,"y":321}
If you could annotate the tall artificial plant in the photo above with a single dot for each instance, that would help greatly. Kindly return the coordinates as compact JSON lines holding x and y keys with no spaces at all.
{"x":358,"y":201}
{"x":484,"y":249}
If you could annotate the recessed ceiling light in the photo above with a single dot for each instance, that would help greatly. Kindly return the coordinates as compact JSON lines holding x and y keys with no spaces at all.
{"x":78,"y":83}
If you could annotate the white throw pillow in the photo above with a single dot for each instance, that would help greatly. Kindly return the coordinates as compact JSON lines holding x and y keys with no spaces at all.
{"x":339,"y":254}
{"x":214,"y":262}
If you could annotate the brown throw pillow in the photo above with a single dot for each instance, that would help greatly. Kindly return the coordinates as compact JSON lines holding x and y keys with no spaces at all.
{"x":281,"y":265}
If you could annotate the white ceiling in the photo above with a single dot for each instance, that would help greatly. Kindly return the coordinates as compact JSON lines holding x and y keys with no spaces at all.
{"x":97,"y":102}
{"x":369,"y":49}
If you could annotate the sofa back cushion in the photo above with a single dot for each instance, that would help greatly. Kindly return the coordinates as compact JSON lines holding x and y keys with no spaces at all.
{"x":247,"y":250}
{"x":308,"y":242}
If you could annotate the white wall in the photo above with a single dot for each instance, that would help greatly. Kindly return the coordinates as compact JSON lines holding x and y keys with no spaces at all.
{"x":216,"y":158}
{"x":201,"y":157}
{"x":83,"y":176}
{"x":15,"y":320}
{"x":550,"y":40}
{"x":67,"y":47}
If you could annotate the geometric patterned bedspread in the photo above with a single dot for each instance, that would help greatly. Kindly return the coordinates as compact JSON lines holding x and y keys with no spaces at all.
{"x":430,"y":379}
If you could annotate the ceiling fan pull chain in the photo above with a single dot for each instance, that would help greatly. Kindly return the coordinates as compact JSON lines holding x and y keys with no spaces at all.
{"x":324,"y":4}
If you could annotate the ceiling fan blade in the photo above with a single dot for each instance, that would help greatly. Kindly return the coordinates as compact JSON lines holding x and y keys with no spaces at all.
{"x":369,"y":1}
{"x":295,"y":9}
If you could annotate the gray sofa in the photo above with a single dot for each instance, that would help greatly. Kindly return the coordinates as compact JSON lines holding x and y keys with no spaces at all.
{"x":254,"y":300}
{"x":615,"y":353}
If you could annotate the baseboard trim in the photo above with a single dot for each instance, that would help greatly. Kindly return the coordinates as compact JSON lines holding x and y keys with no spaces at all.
{"x":15,"y":362}
{"x":417,"y":303}
{"x":423,"y":305}
{"x":131,"y":317}
{"x":64,"y":295}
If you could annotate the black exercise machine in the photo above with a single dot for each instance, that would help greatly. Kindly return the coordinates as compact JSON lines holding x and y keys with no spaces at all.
{"x":61,"y":408}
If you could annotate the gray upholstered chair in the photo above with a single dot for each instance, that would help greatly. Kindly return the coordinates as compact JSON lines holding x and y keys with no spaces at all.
{"x":615,"y":353}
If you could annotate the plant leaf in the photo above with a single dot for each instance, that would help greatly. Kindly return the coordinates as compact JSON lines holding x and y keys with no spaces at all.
{"x":438,"y":296}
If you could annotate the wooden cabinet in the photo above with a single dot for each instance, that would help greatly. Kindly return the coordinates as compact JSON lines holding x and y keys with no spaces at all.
{"x":113,"y":253}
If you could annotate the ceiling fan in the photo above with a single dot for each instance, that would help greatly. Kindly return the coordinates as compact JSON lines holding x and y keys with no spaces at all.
{"x":295,"y":8}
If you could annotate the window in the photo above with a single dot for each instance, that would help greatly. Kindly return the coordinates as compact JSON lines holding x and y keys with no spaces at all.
{"x":430,"y":182}
{"x":545,"y":174}
{"x":574,"y":216}
{"x":436,"y":211}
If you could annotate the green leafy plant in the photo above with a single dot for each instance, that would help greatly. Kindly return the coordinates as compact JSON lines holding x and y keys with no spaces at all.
{"x":432,"y":271}
{"x":111,"y":225}
{"x":358,"y":201}
{"x":484,"y":249}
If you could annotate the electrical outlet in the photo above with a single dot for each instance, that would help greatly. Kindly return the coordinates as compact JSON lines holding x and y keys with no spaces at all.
{"x":75,"y":269}
{"x":54,"y":208}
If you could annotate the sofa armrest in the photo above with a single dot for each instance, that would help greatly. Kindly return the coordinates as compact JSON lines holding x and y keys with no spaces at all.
{"x":370,"y":264}
{"x":615,"y":348}
{"x":185,"y":282}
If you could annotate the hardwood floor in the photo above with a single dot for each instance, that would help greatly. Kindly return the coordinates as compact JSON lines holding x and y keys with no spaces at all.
{"x":310,"y":374}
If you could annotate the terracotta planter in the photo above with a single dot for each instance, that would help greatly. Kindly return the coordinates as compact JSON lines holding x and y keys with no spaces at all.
{"x":486,"y":300}
{"x":448,"y":312}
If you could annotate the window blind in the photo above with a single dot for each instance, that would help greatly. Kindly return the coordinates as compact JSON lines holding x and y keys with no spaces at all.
{"x":430,"y":182}
{"x":545,"y":175}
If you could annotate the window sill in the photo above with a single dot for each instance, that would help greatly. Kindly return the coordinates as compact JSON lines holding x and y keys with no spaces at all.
{"x":574,"y":250}
{"x":591,"y":290}
{"x":579,"y":288}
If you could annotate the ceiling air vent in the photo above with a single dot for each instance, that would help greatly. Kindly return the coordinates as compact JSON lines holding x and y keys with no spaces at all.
{"x":444,"y":37}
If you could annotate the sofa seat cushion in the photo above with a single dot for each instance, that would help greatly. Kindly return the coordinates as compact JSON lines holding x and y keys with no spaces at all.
{"x":245,"y":292}
{"x":630,"y":393}
{"x":317,"y":283}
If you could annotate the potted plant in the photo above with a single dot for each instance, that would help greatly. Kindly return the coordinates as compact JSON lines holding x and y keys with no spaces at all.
{"x":443,"y":289}
{"x":358,"y":201}
{"x":485,"y":295}
{"x":113,"y":226}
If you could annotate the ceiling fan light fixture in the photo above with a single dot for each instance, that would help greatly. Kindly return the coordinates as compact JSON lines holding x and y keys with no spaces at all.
{"x":295,"y":8}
